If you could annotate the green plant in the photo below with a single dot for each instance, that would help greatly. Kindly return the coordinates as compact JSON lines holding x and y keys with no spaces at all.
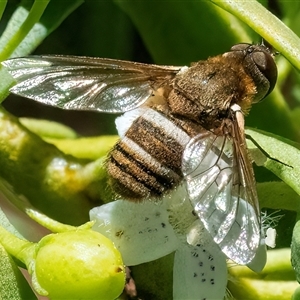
{"x":174,"y":32}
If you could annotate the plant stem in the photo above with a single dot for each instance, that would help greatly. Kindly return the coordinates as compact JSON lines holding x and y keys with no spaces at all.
{"x":53,"y":225}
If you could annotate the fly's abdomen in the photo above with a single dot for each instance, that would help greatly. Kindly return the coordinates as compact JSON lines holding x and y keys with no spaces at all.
{"x":147,"y":161}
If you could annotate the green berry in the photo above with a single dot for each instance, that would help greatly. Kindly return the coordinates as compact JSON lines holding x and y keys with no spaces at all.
{"x":79,"y":264}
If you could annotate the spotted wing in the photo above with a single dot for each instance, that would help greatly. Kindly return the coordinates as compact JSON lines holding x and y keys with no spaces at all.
{"x":221,"y":188}
{"x":85,"y":83}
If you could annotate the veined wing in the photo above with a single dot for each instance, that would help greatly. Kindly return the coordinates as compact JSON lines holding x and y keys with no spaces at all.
{"x":85,"y":83}
{"x":221,"y":188}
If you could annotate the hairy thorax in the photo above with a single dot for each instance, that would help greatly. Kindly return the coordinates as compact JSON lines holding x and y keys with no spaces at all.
{"x":205,"y":91}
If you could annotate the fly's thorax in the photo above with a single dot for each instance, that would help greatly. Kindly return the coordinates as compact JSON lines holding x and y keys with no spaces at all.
{"x":207,"y":89}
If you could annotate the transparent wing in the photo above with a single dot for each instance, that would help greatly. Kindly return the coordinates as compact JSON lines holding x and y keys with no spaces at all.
{"x":222,"y":192}
{"x":85,"y":83}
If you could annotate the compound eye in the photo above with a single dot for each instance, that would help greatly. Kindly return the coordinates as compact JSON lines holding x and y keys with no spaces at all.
{"x":240,"y":47}
{"x":266,"y":64}
{"x":262,"y":60}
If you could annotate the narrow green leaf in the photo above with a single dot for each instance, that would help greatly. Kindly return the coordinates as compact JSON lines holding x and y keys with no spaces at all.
{"x":21,"y":24}
{"x":13,"y":285}
{"x":66,"y":139}
{"x":266,"y":25}
{"x":290,"y":12}
{"x":28,"y":27}
{"x":86,"y":147}
{"x":48,"y":129}
{"x":287,"y":153}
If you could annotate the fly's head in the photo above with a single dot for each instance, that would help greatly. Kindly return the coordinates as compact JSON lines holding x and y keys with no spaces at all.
{"x":257,"y":61}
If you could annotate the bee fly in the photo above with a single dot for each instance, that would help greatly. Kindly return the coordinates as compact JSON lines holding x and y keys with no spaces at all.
{"x":191,"y":131}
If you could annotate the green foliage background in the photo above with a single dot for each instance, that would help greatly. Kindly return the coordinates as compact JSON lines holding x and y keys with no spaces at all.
{"x":177,"y":33}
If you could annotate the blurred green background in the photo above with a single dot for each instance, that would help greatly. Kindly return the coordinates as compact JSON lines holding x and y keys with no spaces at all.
{"x":166,"y":32}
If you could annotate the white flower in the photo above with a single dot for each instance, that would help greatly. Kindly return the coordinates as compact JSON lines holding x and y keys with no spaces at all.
{"x":148,"y":230}
{"x":142,"y":232}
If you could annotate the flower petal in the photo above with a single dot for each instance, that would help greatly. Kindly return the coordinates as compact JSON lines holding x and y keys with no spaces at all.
{"x":200,"y":270}
{"x":140,"y":231}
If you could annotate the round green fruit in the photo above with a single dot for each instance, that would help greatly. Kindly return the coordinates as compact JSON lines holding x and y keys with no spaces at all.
{"x":79,"y":264}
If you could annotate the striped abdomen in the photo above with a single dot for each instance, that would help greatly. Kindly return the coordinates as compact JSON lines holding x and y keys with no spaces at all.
{"x":147,"y":161}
